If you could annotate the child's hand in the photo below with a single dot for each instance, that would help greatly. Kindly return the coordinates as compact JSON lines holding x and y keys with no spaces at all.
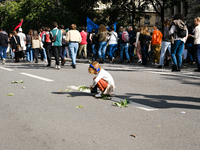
{"x":91,"y":87}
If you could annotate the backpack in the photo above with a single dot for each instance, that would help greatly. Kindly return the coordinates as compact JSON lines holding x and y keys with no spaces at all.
{"x":47,"y":38}
{"x":64,"y":43}
{"x":146,"y":39}
{"x":181,"y":32}
{"x":125,"y":37}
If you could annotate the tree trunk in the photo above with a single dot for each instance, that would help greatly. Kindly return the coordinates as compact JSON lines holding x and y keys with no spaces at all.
{"x":133,"y":13}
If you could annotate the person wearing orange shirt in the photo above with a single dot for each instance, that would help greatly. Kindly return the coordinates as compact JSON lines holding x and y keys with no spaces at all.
{"x":156,"y":43}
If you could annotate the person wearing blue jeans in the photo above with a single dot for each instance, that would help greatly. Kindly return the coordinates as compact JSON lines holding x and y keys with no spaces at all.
{"x":3,"y":52}
{"x":124,"y":48}
{"x":111,"y":50}
{"x":197,"y":52}
{"x":176,"y":54}
{"x":73,"y":36}
{"x":94,"y":51}
{"x":4,"y":45}
{"x":1,"y":56}
{"x":178,"y":41}
{"x":190,"y":50}
{"x":29,"y":53}
{"x":73,"y":48}
{"x":102,"y":50}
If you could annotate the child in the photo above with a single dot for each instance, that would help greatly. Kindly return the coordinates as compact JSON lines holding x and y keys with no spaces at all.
{"x":104,"y":81}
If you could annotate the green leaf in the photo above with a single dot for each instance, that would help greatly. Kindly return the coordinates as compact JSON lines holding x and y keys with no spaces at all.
{"x":23,"y":87}
{"x":82,"y":88}
{"x":10,"y":94}
{"x":80,"y":106}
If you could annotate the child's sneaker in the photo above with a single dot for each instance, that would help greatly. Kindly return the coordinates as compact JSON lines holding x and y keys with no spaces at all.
{"x":98,"y":95}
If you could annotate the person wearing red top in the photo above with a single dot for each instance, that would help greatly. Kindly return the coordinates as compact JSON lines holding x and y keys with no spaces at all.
{"x":83,"y":44}
{"x":156,"y":43}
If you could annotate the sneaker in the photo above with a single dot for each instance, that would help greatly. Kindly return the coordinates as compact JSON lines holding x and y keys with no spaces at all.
{"x":113,"y":59}
{"x":45,"y":60}
{"x":98,"y":95}
{"x":4,"y":61}
{"x":36,"y":61}
{"x":62,"y":64}
{"x":58,"y":67}
{"x":160,"y":66}
{"x":139,"y":61}
{"x":73,"y":66}
{"x":49,"y":65}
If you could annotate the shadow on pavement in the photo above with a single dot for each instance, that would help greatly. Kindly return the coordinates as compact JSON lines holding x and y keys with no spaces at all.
{"x":162,"y":101}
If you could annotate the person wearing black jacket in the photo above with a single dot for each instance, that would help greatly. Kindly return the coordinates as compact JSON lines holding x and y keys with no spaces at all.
{"x":3,"y":44}
{"x":15,"y":40}
{"x":132,"y":41}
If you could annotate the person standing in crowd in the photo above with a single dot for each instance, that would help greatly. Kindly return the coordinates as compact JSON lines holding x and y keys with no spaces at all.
{"x":42,"y":51}
{"x":144,"y":39}
{"x":196,"y":37}
{"x":64,"y":45}
{"x":83,"y":44}
{"x":132,"y":40}
{"x":74,"y":38}
{"x":138,"y":47}
{"x":3,"y":45}
{"x":36,"y":44}
{"x":15,"y":43}
{"x":12,"y":54}
{"x":93,"y":44}
{"x":179,"y":33}
{"x":156,"y":43}
{"x":29,"y":51}
{"x":57,"y":44}
{"x":189,"y":45}
{"x":124,"y":40}
{"x":47,"y":45}
{"x":22,"y":37}
{"x":112,"y":44}
{"x":0,"y":49}
{"x":166,"y":44}
{"x":102,"y":34}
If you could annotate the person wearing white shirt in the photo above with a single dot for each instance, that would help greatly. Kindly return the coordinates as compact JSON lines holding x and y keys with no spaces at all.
{"x":178,"y":43}
{"x":112,"y":43}
{"x":196,"y":37}
{"x":103,"y":80}
{"x":22,"y":37}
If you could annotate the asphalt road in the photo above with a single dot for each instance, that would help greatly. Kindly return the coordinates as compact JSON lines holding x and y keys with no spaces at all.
{"x":163,"y":114}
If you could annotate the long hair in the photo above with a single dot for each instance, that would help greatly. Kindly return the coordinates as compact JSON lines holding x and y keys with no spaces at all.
{"x":178,"y":16}
{"x":145,"y":30}
{"x":30,"y":32}
{"x":35,"y":35}
{"x":102,"y":28}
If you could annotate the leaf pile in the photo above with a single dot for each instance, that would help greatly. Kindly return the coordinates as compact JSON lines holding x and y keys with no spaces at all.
{"x":64,"y":90}
{"x":82,"y":88}
{"x":121,"y":103}
{"x":20,"y":81}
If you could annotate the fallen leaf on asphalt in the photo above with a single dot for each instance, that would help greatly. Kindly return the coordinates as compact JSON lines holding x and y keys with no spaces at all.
{"x":20,"y":81}
{"x":23,"y":87}
{"x":82,"y":88}
{"x":64,"y":90}
{"x":69,"y":96}
{"x":80,"y":106}
{"x":121,"y":103}
{"x":158,"y":126}
{"x":133,"y":135}
{"x":10,"y":94}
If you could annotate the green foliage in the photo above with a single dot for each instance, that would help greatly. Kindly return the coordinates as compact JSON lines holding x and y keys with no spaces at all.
{"x":121,"y":103}
{"x":82,"y":88}
{"x":20,"y":81}
{"x":10,"y":94}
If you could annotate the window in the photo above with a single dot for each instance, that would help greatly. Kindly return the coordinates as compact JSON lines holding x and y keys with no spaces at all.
{"x":146,"y":21}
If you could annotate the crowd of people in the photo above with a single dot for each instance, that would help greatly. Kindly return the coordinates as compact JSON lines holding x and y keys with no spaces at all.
{"x":160,"y":46}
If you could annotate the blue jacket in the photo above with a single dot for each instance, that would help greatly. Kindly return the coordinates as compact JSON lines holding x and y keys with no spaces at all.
{"x":58,"y":41}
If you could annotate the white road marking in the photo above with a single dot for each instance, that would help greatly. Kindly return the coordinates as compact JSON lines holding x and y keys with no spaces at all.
{"x":116,"y":99}
{"x":37,"y":77}
{"x":6,"y":69}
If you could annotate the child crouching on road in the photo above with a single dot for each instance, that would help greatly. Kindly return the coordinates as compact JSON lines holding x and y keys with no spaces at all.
{"x":103,"y":80}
